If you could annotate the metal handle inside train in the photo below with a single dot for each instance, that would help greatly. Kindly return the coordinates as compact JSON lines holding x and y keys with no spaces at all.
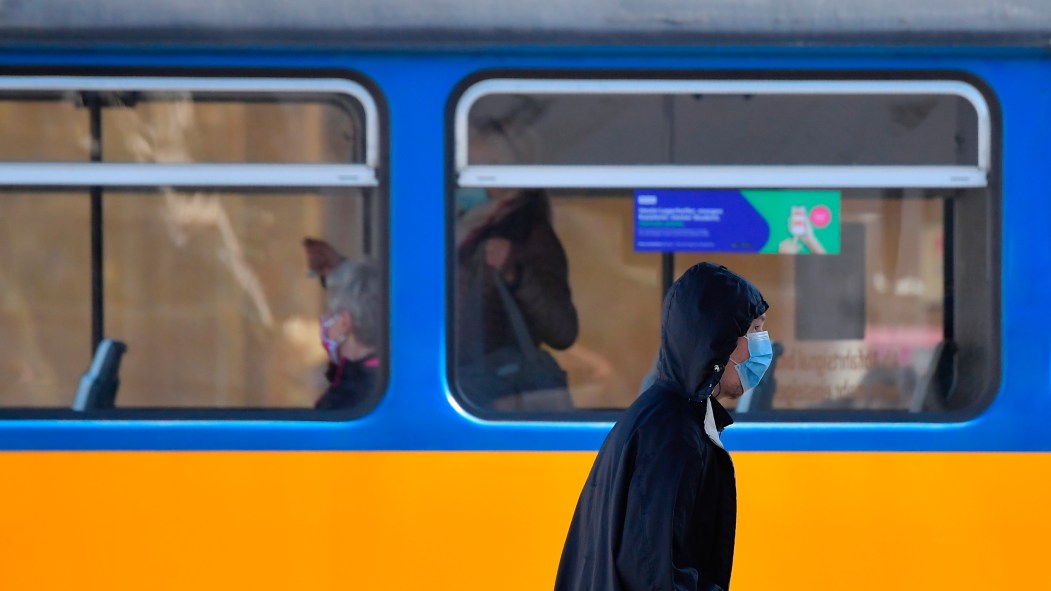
{"x":98,"y":386}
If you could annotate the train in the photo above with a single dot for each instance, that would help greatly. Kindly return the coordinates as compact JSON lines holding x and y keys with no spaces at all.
{"x":878,"y":170}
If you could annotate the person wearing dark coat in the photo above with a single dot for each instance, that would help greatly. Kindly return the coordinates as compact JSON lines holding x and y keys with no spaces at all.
{"x":512,"y":296}
{"x":658,"y":511}
{"x":513,"y":236}
{"x":350,"y":383}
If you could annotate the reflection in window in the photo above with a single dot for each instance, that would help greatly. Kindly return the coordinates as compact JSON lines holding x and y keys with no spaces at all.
{"x":209,"y":290}
{"x":864,"y":329}
{"x":860,"y":329}
{"x":208,"y":286}
{"x":732,"y":129}
{"x":898,"y":316}
{"x":181,"y":128}
{"x":211,"y":293}
{"x":223,"y":131}
{"x":45,"y":309}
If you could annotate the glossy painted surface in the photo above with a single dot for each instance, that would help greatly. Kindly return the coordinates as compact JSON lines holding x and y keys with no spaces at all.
{"x":478,"y":520}
{"x":417,"y":413}
{"x":419,"y":494}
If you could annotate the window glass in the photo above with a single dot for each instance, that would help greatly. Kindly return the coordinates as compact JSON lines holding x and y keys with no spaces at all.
{"x":211,"y":294}
{"x":861,"y":328}
{"x":45,"y":314}
{"x":181,"y":127}
{"x":273,"y":130}
{"x":45,"y":129}
{"x":619,"y":321}
{"x":874,"y":320}
{"x":209,"y":290}
{"x":730,"y":129}
{"x":217,"y":294}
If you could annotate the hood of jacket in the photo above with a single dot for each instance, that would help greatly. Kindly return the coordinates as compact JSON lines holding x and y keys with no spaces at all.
{"x":705,"y":312}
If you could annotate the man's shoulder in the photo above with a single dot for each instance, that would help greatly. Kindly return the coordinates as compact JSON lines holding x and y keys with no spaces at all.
{"x":661,"y":411}
{"x":659,"y":400}
{"x":659,"y":434}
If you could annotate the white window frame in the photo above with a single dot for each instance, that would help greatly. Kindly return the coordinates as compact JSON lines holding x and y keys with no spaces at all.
{"x":722,"y":176}
{"x":120,"y":174}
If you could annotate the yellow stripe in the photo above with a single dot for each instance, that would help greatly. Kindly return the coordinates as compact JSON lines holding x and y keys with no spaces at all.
{"x":496,"y":520}
{"x":893,"y":521}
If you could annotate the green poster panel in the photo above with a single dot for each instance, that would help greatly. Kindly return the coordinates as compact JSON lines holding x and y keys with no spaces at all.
{"x":801,"y":222}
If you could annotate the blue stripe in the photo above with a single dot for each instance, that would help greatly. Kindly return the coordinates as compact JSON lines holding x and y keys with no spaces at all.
{"x":417,"y":415}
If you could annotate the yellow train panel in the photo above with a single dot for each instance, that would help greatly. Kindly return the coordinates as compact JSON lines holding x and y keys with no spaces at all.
{"x":496,"y":520}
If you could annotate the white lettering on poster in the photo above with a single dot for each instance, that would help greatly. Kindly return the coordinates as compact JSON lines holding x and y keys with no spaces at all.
{"x":680,"y":214}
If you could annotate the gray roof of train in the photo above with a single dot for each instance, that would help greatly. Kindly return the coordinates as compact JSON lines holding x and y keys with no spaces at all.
{"x":401,"y":23}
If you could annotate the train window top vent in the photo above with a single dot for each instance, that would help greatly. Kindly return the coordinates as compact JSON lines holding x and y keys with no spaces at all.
{"x":149,"y":131}
{"x":727,"y":133}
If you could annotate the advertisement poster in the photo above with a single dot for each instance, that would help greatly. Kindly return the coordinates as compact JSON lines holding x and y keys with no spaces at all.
{"x":727,"y":220}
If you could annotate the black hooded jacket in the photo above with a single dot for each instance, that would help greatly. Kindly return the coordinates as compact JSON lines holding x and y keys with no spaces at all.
{"x":659,"y":508}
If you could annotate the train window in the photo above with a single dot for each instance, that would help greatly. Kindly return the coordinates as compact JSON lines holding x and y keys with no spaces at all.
{"x":170,"y":214}
{"x":883,"y":307}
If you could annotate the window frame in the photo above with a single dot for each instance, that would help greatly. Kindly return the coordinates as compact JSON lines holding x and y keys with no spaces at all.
{"x":721,"y":176}
{"x":986,"y":174}
{"x":247,"y":175}
{"x":372,"y":174}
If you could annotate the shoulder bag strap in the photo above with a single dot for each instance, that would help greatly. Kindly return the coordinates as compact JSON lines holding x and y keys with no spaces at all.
{"x":517,"y":320}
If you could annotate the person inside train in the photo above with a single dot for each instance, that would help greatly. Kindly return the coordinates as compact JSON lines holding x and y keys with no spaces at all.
{"x":512,"y":290}
{"x":659,"y":509}
{"x":350,"y":328}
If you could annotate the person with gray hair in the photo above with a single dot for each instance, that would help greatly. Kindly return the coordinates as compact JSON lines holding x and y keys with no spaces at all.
{"x":350,"y":333}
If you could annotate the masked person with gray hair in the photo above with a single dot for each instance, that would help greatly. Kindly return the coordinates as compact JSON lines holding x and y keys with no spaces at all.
{"x":659,"y":509}
{"x":350,"y":334}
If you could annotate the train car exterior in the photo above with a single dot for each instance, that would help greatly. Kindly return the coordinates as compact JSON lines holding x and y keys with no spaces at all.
{"x":161,"y":162}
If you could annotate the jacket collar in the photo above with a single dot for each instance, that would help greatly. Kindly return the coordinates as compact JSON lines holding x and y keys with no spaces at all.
{"x":721,"y":415}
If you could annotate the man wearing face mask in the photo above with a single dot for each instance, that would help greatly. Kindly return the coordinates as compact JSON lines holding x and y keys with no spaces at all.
{"x":350,"y":333}
{"x":659,"y":508}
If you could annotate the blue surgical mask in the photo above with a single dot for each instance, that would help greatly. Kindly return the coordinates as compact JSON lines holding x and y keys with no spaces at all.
{"x":467,"y":198}
{"x":760,"y":355}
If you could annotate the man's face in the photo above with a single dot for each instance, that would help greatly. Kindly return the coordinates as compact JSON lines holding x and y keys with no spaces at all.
{"x":730,"y":384}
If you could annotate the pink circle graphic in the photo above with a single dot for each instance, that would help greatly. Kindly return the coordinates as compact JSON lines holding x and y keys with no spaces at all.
{"x":820,"y":216}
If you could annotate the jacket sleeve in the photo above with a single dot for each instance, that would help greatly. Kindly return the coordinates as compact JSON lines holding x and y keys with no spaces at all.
{"x":691,"y":515}
{"x":542,"y":289}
